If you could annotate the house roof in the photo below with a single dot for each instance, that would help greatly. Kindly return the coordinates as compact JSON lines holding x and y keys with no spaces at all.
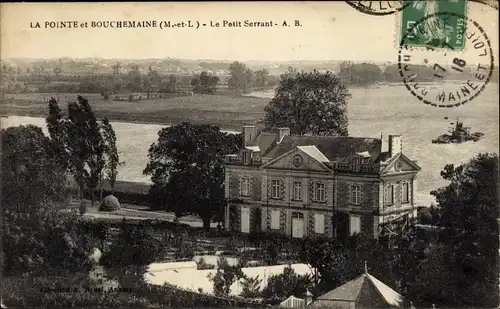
{"x":264,"y":141}
{"x":334,"y":148}
{"x":351,"y":290}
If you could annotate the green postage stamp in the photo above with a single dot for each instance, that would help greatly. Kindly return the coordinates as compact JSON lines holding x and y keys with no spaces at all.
{"x":434,"y":23}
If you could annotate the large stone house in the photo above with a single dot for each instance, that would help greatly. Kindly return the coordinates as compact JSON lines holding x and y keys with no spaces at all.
{"x":322,"y":185}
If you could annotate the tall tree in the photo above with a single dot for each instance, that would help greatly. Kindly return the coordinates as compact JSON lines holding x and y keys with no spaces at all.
{"x":469,"y":229}
{"x":261,"y":78}
{"x":205,"y":83}
{"x":80,"y":141}
{"x":241,"y":77}
{"x":309,"y":103}
{"x":185,"y":165}
{"x":112,"y":160}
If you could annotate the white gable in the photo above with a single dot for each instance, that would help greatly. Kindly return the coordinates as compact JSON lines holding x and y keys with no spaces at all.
{"x":310,"y":158}
{"x":314,"y":152}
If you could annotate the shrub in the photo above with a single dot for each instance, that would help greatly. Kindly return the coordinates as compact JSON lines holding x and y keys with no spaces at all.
{"x":251,"y":287}
{"x":43,"y":241}
{"x":201,"y":265}
{"x":134,"y":245}
{"x":288,"y":283}
{"x":225,"y":276}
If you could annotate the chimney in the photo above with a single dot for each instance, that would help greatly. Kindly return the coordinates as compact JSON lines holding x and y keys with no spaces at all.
{"x":395,"y":145}
{"x":249,"y":134}
{"x":282,"y":133}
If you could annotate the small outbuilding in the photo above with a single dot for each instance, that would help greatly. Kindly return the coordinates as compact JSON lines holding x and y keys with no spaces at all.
{"x":364,"y":291}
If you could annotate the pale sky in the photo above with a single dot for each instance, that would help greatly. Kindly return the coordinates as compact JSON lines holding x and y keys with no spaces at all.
{"x":330,"y":31}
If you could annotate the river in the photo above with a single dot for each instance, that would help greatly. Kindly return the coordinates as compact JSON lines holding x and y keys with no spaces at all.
{"x":371,"y":112}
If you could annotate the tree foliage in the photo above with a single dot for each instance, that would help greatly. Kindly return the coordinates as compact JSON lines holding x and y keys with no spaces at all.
{"x":360,"y":74}
{"x":242,"y":78}
{"x":36,"y":237}
{"x":185,"y":165}
{"x":262,"y":78}
{"x":467,"y":251}
{"x":32,"y":174}
{"x":112,"y":159}
{"x":205,"y":83}
{"x":135,"y":245}
{"x":287,"y":283}
{"x":309,"y":103}
{"x":224,"y":277}
{"x":85,"y":146}
{"x":250,"y":287}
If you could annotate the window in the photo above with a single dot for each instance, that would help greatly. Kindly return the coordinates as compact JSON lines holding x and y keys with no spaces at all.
{"x":246,"y":157}
{"x":275,"y":219}
{"x":275,"y":189}
{"x":245,"y":220}
{"x":319,"y":224}
{"x":297,"y":191}
{"x":355,"y":224}
{"x":319,"y":192}
{"x":245,"y":186}
{"x":356,"y":194}
{"x":406,"y":192}
{"x":390,"y":195}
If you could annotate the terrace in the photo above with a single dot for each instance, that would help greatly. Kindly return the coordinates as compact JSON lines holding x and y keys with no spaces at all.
{"x":233,"y":159}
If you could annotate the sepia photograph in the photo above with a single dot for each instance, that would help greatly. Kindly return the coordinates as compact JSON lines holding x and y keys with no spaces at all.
{"x":322,"y":155}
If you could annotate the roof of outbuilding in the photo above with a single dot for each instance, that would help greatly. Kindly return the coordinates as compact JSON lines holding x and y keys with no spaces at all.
{"x":351,"y":290}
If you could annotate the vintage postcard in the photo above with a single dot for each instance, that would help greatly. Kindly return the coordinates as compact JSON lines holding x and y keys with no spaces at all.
{"x":337,"y":154}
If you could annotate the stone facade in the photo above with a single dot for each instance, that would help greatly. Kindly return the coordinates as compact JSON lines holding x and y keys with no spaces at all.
{"x":303,"y":183}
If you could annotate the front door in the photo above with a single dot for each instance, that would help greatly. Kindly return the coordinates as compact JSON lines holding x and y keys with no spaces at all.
{"x":297,"y":225}
{"x":245,"y":220}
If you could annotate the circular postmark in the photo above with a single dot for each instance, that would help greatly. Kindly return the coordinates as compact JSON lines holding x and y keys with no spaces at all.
{"x":435,"y":69}
{"x":379,"y":8}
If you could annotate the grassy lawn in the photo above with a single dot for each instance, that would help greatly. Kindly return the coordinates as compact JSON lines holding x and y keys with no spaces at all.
{"x":228,"y":111}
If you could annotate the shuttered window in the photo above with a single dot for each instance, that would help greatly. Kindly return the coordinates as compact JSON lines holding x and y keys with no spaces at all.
{"x":355,"y":224}
{"x":319,"y":224}
{"x":275,"y":219}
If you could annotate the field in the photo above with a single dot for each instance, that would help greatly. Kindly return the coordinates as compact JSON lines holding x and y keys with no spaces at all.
{"x":227,"y":111}
{"x":371,"y":112}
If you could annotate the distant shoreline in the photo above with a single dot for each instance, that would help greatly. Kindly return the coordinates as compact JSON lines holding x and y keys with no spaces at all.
{"x":118,"y":118}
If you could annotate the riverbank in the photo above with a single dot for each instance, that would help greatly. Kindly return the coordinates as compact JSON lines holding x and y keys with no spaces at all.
{"x":227,"y":111}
